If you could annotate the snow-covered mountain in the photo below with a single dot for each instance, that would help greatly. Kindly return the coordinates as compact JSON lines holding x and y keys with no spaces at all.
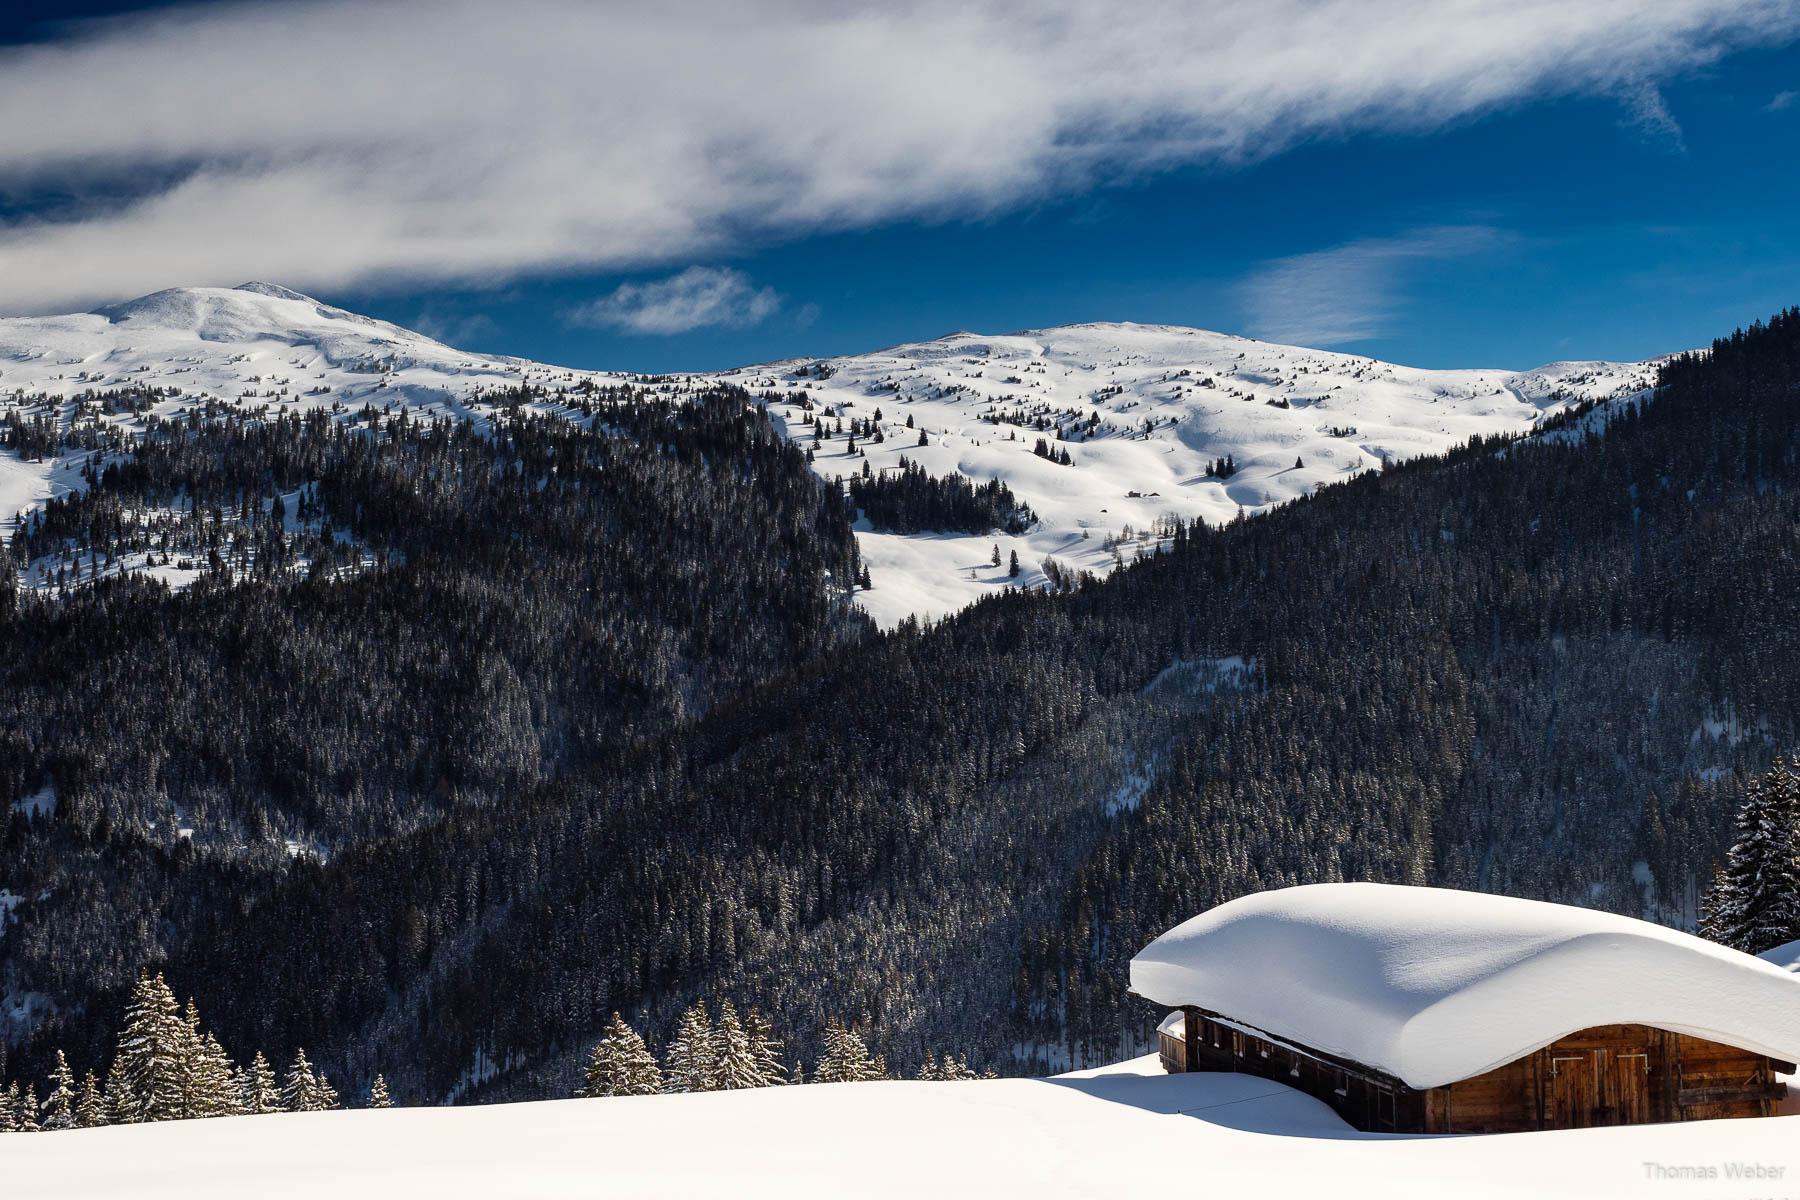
{"x":1144,"y":413}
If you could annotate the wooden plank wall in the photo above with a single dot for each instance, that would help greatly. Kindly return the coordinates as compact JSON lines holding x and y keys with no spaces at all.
{"x":1608,"y":1075}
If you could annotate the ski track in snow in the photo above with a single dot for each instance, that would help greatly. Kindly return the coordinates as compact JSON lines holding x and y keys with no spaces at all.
{"x":1155,"y":406}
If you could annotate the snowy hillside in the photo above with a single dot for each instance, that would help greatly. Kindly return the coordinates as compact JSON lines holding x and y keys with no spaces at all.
{"x":1144,"y":414}
{"x":1127,"y":1130}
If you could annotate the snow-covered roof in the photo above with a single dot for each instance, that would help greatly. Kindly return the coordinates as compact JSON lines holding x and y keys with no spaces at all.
{"x":1175,"y":1024}
{"x":1433,"y":985}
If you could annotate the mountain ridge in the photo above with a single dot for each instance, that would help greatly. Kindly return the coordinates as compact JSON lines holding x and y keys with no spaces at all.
{"x":1161,"y":423}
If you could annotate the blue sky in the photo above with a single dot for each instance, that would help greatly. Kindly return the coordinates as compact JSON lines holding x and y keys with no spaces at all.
{"x":1601,"y":195}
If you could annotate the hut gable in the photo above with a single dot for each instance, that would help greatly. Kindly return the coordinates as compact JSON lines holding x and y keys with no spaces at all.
{"x":1429,"y":987}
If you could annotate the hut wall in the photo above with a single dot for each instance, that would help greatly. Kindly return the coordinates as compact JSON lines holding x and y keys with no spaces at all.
{"x":1608,"y":1075}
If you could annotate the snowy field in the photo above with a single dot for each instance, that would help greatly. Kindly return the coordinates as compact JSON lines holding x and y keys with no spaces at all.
{"x":1123,"y":1131}
{"x":1143,"y":412}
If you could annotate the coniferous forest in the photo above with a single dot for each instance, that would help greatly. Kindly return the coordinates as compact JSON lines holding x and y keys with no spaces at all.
{"x":465,"y":741}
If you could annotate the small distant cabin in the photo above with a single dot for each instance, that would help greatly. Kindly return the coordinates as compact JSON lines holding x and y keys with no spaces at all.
{"x":1425,"y":1010}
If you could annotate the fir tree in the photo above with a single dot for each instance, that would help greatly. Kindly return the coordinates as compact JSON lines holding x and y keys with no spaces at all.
{"x":88,"y":1109}
{"x":928,"y":1070}
{"x":1754,"y":903}
{"x":118,"y":1106}
{"x":301,"y":1092}
{"x":735,"y":1063}
{"x":9,"y":1109}
{"x":378,"y":1094}
{"x":847,"y":1058}
{"x":59,"y":1107}
{"x":621,"y":1065}
{"x":153,"y":1053}
{"x":261,"y":1093}
{"x":691,"y":1053}
{"x":765,"y":1050}
{"x":28,"y":1111}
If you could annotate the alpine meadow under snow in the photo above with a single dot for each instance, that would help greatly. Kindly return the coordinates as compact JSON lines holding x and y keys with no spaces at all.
{"x":1125,"y":1130}
{"x":1159,"y":424}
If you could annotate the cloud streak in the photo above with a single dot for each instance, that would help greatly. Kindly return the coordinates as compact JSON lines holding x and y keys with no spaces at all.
{"x":332,"y":144}
{"x":697,"y":298}
{"x":1350,"y":293}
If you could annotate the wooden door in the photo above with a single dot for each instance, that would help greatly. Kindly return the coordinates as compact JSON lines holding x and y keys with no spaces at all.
{"x":1572,"y":1093}
{"x":1628,"y":1085}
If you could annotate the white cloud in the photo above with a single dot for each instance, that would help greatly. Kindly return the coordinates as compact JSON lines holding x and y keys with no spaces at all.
{"x":1782,"y":101}
{"x":360,"y":143}
{"x":697,"y":297}
{"x":1349,"y":293}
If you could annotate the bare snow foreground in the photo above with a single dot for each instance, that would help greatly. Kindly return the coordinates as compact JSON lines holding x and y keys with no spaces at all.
{"x":1126,"y":1130}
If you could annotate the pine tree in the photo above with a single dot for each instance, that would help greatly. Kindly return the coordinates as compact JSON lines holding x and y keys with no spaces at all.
{"x":59,"y":1108}
{"x":765,"y":1050}
{"x":153,"y":1053}
{"x":621,"y":1065}
{"x":1012,"y":567}
{"x":88,"y":1110}
{"x":378,"y":1094}
{"x":846,"y":1058}
{"x":28,"y":1111}
{"x":9,"y":1109}
{"x":261,"y":1093}
{"x":301,"y":1092}
{"x":735,"y":1064}
{"x":218,"y":1086}
{"x":118,"y":1106}
{"x":691,"y":1053}
{"x":1754,"y":902}
{"x":928,"y":1070}
{"x":326,"y":1095}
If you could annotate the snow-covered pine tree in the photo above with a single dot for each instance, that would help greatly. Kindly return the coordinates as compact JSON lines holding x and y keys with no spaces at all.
{"x":765,"y":1049}
{"x":211,"y":1089}
{"x":326,"y":1094}
{"x":301,"y":1091}
{"x":960,"y":1069}
{"x":846,"y":1058}
{"x":9,"y":1109}
{"x":261,"y":1093}
{"x":798,"y":1075}
{"x":59,"y":1107}
{"x":928,"y":1070}
{"x":88,"y":1109}
{"x":621,"y":1065}
{"x":1754,"y":903}
{"x":735,"y":1063}
{"x":153,"y":1053}
{"x":691,"y":1053}
{"x":118,"y":1106}
{"x":28,"y":1111}
{"x":378,"y":1094}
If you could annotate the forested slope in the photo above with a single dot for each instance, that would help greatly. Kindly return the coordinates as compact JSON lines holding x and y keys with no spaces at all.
{"x":1526,"y":666}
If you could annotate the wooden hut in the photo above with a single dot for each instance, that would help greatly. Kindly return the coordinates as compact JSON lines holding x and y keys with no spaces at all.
{"x":1423,"y":1010}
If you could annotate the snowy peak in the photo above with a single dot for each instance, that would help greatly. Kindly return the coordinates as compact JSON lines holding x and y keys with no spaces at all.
{"x":275,"y":290}
{"x":1109,"y":431}
{"x":248,"y":312}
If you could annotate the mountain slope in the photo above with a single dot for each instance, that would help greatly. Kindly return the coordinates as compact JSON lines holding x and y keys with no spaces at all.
{"x":1144,"y":413}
